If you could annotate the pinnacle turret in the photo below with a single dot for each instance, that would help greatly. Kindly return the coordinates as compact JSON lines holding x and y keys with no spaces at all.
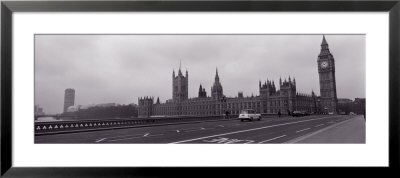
{"x":179,"y":71}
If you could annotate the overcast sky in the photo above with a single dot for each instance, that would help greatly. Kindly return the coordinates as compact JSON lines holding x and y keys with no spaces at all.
{"x":121,"y":68}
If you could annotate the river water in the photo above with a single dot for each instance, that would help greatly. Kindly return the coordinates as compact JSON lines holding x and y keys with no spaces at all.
{"x":48,"y":119}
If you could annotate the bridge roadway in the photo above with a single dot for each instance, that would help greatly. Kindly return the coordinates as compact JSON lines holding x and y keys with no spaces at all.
{"x":268,"y":130}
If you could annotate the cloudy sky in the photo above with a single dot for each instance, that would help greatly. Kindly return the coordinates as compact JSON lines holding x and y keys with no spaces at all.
{"x":121,"y":68}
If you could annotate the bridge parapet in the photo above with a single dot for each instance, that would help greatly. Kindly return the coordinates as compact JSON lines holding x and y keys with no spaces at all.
{"x":58,"y":127}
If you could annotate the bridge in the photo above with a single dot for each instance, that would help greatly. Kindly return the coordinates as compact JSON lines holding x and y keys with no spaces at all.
{"x":57,"y":116}
{"x":200,"y":129}
{"x":77,"y":125}
{"x":57,"y":127}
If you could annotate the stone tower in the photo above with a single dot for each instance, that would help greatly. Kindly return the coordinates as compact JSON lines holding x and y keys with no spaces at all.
{"x":180,"y":85}
{"x":267,"y":89}
{"x":327,"y":80}
{"x":287,"y":94}
{"x":216,"y":89}
{"x":145,"y":106}
{"x":202,"y":92}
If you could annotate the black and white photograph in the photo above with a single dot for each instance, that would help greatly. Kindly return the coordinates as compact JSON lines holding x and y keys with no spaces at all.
{"x":199,"y":88}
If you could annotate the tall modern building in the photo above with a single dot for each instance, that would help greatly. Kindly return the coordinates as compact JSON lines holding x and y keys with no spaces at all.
{"x":272,"y":98}
{"x":327,"y":80}
{"x":69,"y":98}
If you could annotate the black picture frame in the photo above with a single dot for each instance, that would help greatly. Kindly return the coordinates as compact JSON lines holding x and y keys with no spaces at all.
{"x":8,"y":7}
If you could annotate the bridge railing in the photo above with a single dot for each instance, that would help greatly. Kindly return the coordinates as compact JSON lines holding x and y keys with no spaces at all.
{"x":54,"y":127}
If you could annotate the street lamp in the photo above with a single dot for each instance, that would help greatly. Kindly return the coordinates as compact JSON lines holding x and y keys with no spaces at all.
{"x":224,"y":107}
{"x":318,"y":106}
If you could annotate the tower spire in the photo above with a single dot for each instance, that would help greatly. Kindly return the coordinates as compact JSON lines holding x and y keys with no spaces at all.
{"x":216,"y":89}
{"x":179,"y":71}
{"x":216,"y":74}
{"x":324,"y":40}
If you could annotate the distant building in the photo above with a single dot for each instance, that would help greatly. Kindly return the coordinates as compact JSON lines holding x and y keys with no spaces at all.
{"x":345,"y":105}
{"x":344,"y":101}
{"x":38,"y":110}
{"x":74,"y":108}
{"x":106,"y":105}
{"x":359,"y":105}
{"x":69,"y":98}
{"x":286,"y":99}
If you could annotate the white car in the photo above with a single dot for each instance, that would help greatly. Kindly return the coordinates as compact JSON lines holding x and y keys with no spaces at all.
{"x":249,"y":114}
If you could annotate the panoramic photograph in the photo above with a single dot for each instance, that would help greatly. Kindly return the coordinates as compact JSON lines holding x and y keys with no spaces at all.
{"x":200,"y":89}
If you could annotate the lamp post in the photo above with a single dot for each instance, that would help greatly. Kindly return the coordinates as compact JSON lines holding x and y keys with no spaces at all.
{"x":318,"y":108}
{"x":224,"y":107}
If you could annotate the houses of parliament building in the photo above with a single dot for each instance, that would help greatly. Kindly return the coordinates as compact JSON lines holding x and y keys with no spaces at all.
{"x":270,"y":100}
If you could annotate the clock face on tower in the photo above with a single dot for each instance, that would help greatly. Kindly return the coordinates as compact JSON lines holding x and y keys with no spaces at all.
{"x":324,"y":64}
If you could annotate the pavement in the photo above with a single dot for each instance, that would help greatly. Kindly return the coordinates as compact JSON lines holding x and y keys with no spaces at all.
{"x":350,"y":131}
{"x":310,"y":129}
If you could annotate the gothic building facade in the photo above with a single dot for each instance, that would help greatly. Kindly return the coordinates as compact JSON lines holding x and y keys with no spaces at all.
{"x":270,"y":100}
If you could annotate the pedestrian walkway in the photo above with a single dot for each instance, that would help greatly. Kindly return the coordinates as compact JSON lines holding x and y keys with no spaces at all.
{"x":350,"y":131}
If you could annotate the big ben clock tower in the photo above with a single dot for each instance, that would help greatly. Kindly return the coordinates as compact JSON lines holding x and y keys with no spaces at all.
{"x":327,"y":80}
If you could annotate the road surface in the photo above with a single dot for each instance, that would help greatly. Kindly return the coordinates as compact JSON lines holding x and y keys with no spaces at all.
{"x":268,"y":130}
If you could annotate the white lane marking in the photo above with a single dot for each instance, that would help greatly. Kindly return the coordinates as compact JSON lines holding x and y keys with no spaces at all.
{"x":134,"y":137}
{"x":302,"y":130}
{"x":124,"y":136}
{"x":193,"y":130}
{"x":272,"y":139}
{"x":97,"y":141}
{"x":319,"y":125}
{"x":227,"y":140}
{"x":189,"y":129}
{"x":231,"y":125}
{"x":124,"y":139}
{"x":249,"y":130}
{"x":145,"y":135}
{"x":177,"y":131}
